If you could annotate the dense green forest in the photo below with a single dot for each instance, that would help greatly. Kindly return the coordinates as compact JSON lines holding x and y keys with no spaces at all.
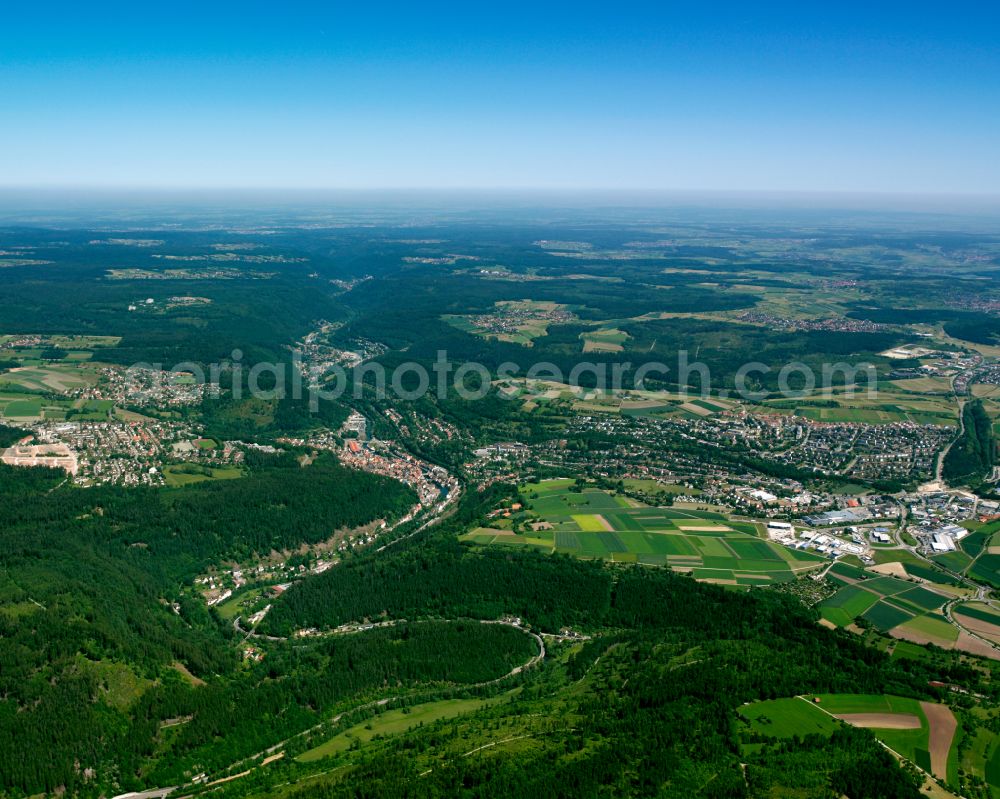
{"x":972,"y":456}
{"x":92,"y":285}
{"x":87,"y":573}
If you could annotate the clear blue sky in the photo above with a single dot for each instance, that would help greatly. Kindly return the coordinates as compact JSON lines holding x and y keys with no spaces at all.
{"x":827,"y":96}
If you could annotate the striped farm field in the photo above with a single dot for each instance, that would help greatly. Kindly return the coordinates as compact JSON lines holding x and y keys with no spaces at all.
{"x":980,"y":611}
{"x":892,"y":605}
{"x":853,"y":600}
{"x":590,"y":522}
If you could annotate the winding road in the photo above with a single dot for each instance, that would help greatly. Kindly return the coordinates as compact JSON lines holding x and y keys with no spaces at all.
{"x":158,"y":793}
{"x":939,"y":472}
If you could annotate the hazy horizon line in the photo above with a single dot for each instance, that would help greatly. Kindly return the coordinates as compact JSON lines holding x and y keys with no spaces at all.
{"x":51,"y":197}
{"x":480,"y":189}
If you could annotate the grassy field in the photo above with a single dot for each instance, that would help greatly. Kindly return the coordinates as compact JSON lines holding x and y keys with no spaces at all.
{"x":242,"y":604}
{"x":182,"y":474}
{"x":881,"y":407}
{"x":985,"y":391}
{"x":592,"y":523}
{"x":920,"y":732}
{"x":629,"y":402}
{"x":21,"y":406}
{"x":786,"y":718}
{"x":604,"y":340}
{"x":913,"y":744}
{"x":393,"y":722}
{"x":925,"y":385}
{"x":92,"y":410}
{"x":653,"y":487}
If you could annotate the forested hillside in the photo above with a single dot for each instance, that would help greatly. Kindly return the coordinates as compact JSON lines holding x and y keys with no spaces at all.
{"x":85,"y":583}
{"x":646,"y":706}
{"x":86,"y":628}
{"x":973,"y":455}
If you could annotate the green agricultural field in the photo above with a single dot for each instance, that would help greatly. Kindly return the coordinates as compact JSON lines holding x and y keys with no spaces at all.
{"x":589,"y":523}
{"x":891,"y":604}
{"x":974,"y":543}
{"x":885,"y":616}
{"x":935,"y":627}
{"x":592,"y":523}
{"x":22,"y":405}
{"x":885,"y":715}
{"x":23,"y":409}
{"x":956,"y":561}
{"x":604,"y":340}
{"x":980,"y":611}
{"x":863,"y":415}
{"x":92,"y":410}
{"x":835,"y":616}
{"x":921,"y":599}
{"x":908,"y":650}
{"x":869,"y":703}
{"x":59,"y":378}
{"x":882,"y":407}
{"x":887,"y":586}
{"x":986,"y":568}
{"x":888,"y":601}
{"x":852,"y":600}
{"x":925,"y":385}
{"x":910,"y":743}
{"x":925,"y":572}
{"x":840,"y":569}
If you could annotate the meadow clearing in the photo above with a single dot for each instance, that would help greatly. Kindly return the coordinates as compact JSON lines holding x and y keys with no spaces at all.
{"x":922,"y":732}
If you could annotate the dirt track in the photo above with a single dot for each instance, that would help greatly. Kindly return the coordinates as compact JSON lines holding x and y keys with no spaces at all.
{"x":975,"y":646}
{"x":882,"y":721}
{"x":894,"y":568}
{"x":703,"y":528}
{"x":943,"y":725}
{"x":604,"y":522}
